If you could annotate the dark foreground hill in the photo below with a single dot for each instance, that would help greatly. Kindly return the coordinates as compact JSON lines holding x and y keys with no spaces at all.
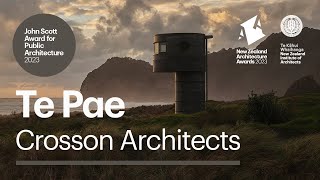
{"x":134,"y":81}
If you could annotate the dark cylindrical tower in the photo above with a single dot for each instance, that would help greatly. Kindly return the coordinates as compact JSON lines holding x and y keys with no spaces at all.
{"x":190,"y":91}
{"x":184,"y":54}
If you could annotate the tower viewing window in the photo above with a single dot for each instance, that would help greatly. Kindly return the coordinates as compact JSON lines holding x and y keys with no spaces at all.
{"x":160,"y":48}
{"x":163,"y":47}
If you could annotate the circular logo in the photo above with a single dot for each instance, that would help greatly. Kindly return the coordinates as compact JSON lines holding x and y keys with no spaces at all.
{"x":44,"y":45}
{"x":291,"y":26}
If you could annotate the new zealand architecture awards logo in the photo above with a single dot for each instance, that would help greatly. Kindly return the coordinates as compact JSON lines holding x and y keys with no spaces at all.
{"x":252,"y":30}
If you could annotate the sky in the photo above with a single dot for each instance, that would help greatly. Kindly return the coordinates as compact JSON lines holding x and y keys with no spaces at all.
{"x":125,"y":28}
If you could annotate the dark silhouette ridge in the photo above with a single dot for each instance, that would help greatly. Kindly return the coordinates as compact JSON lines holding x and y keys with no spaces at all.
{"x":229,"y":81}
{"x":133,"y":80}
{"x":303,"y":85}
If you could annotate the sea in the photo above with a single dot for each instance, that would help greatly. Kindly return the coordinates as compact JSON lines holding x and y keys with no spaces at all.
{"x":14,"y":105}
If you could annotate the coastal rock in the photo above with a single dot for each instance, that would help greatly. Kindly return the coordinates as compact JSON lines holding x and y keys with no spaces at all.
{"x":304,"y":85}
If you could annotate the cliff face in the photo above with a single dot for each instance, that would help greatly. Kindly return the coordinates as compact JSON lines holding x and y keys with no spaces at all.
{"x":133,"y":80}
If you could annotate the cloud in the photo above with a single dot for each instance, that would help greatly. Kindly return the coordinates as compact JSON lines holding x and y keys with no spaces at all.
{"x":19,"y":9}
{"x":12,"y":12}
{"x":227,"y":30}
{"x":135,"y":22}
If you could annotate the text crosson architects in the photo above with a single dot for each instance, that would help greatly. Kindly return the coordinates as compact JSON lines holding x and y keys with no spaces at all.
{"x":114,"y":108}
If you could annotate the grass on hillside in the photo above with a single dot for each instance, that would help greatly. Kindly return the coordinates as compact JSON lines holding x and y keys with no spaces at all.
{"x":290,"y":149}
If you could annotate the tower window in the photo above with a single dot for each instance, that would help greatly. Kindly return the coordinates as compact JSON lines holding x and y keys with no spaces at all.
{"x":163,"y":47}
{"x":160,"y":48}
